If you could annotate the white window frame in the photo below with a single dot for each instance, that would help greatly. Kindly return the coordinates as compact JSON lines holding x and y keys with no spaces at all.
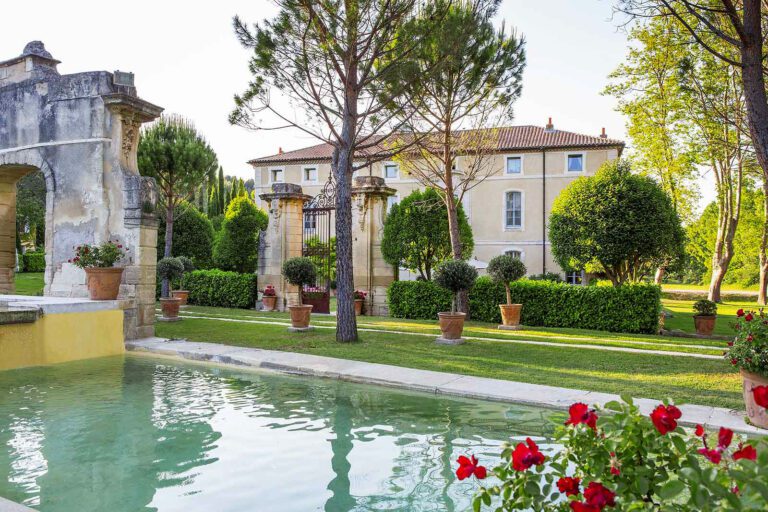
{"x":504,"y":210}
{"x":522,"y":164}
{"x":272,"y":174}
{"x":304,"y":170}
{"x":581,"y":277}
{"x":516,"y":249}
{"x":384,"y":170}
{"x":583,"y":156}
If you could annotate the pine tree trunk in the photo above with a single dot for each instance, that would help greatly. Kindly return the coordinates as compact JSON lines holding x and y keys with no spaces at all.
{"x":346,"y":321}
{"x":165,"y":291}
{"x":462,"y":299}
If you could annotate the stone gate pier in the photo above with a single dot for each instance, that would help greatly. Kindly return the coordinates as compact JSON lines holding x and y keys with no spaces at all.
{"x":81,"y":130}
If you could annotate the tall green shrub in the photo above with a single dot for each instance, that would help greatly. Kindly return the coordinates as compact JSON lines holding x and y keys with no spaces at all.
{"x":237,"y":245}
{"x":193,"y":235}
{"x":631,"y":308}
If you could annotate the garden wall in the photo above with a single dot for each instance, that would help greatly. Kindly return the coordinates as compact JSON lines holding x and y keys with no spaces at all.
{"x":630,"y":308}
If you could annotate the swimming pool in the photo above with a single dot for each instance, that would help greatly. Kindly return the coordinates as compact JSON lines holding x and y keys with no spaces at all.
{"x":126,"y":434}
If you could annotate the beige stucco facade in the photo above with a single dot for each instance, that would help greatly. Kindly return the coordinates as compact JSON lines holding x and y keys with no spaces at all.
{"x":543,"y":175}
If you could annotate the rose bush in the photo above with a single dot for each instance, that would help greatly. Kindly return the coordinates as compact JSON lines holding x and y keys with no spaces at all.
{"x":98,"y":256}
{"x":749,"y":350}
{"x":623,"y":460}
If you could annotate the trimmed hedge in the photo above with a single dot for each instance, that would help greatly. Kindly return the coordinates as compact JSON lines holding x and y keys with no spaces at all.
{"x":220,"y":288}
{"x":33,"y":262}
{"x":629,"y":308}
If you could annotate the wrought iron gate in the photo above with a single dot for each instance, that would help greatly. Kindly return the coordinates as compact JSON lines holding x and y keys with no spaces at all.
{"x":319,"y":245}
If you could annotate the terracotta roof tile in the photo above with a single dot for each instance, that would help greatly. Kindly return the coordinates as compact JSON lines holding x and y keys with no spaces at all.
{"x":511,"y":138}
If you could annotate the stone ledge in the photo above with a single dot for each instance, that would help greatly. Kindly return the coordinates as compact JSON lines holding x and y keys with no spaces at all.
{"x":422,"y":380}
{"x":10,"y":506}
{"x":54,"y":305}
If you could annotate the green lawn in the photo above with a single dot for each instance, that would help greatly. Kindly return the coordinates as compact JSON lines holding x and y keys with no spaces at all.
{"x":29,"y":283}
{"x":684,"y":379}
{"x":705,"y":287}
{"x":682,"y":311}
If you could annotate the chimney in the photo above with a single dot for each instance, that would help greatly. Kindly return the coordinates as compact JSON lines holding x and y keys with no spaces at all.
{"x":280,"y":150}
{"x":550,"y":127}
{"x":603,"y":135}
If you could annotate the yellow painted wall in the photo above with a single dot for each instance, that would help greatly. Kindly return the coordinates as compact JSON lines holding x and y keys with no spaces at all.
{"x":58,"y":338}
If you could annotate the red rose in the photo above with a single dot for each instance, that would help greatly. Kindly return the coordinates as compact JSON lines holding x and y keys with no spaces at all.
{"x":664,"y":418}
{"x":598,"y":496}
{"x":569,"y":485}
{"x":750,"y":338}
{"x":699,"y":431}
{"x":468,"y":467}
{"x":578,"y":506}
{"x":745,"y":452}
{"x":615,"y":465}
{"x":581,"y":413}
{"x":724,"y":438}
{"x":740,"y":313}
{"x":735,"y":489}
{"x":714,"y":456}
{"x":760,"y":394}
{"x":733,"y":362}
{"x":526,"y":455}
{"x":749,"y":317}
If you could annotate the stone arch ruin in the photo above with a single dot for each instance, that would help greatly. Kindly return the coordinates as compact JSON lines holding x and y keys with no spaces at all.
{"x":81,"y":130}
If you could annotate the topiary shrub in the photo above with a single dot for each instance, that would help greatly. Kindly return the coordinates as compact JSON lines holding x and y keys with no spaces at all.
{"x":629,"y":308}
{"x":506,"y":269}
{"x":187,"y":263}
{"x":237,"y":244}
{"x":219,"y":288}
{"x":455,"y":276}
{"x":705,"y":307}
{"x":170,"y":269}
{"x":299,"y":272}
{"x":33,"y":262}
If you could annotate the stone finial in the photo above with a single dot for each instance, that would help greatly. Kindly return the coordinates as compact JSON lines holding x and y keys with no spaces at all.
{"x":37,"y":48}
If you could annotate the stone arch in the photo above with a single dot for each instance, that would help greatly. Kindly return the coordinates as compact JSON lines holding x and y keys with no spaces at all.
{"x":81,"y":131}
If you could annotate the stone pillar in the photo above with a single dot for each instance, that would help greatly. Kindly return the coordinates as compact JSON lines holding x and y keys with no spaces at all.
{"x":7,"y":234}
{"x":283,"y":239}
{"x":371,"y":272}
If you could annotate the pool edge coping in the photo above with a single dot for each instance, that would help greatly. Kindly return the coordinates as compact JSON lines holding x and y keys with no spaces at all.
{"x":439,"y":383}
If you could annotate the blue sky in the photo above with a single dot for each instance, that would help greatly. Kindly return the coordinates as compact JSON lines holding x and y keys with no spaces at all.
{"x":187,"y":60}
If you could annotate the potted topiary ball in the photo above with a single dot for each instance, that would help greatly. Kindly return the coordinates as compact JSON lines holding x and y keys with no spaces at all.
{"x":455,"y":276}
{"x":299,"y":272}
{"x":183,"y":295}
{"x":170,"y":268}
{"x":507,"y":269}
{"x":705,"y":316}
{"x":749,"y":353}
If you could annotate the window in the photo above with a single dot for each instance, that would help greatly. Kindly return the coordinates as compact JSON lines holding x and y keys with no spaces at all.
{"x":573,"y":277}
{"x":392,"y":201}
{"x":575,"y":162}
{"x":276,"y":175}
{"x":310,"y":222}
{"x":514,"y":164}
{"x":514,"y":254}
{"x":310,"y":174}
{"x":391,"y":171}
{"x":514,"y":210}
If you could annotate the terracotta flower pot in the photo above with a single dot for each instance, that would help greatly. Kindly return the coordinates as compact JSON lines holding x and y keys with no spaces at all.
{"x":170,"y":309}
{"x":359,"y":306}
{"x":510,"y":314}
{"x":451,"y":325}
{"x":270,"y":302}
{"x":757,"y":415}
{"x":103,"y":283}
{"x":704,"y":324}
{"x":182,"y":295}
{"x":300,"y":316}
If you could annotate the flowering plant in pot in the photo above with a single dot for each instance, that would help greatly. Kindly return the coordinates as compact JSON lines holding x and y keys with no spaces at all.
{"x":183,"y":295}
{"x":625,"y":461}
{"x":360,"y":296}
{"x":506,"y":269}
{"x":299,"y":272}
{"x":269,"y":298}
{"x":102,"y":276}
{"x":170,"y":269}
{"x":705,"y":316}
{"x":455,"y":276}
{"x":749,"y":352}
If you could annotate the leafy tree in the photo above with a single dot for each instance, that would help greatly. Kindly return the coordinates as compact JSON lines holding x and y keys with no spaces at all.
{"x":30,"y":209}
{"x":178,"y":157}
{"x":237,"y":245}
{"x":193,"y":235}
{"x":323,"y":256}
{"x":299,"y":272}
{"x":416,"y":234}
{"x":330,"y":59}
{"x":465,"y":75}
{"x":506,"y":269}
{"x":622,"y":222}
{"x":455,"y":276}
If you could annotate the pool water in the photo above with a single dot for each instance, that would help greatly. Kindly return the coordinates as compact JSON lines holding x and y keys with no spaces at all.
{"x":129,"y":434}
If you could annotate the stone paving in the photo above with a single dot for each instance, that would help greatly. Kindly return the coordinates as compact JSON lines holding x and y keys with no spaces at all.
{"x":420,"y":380}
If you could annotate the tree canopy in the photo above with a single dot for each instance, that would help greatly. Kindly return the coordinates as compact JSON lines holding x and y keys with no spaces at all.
{"x":193,"y":235}
{"x":416,"y":233}
{"x":622,"y":223}
{"x":237,"y":246}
